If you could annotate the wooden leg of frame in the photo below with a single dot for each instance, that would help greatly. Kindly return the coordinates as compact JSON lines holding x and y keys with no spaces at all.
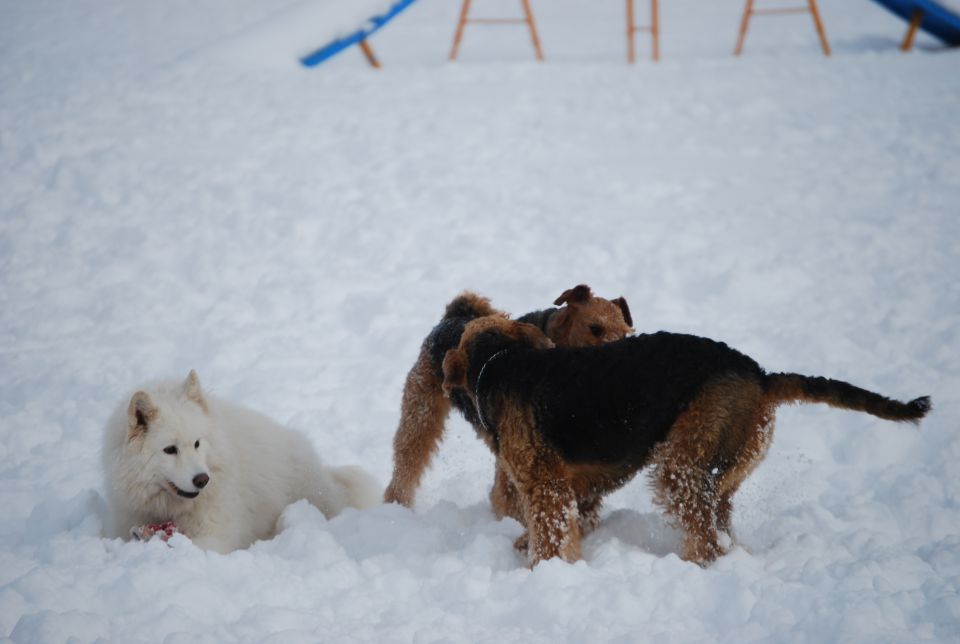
{"x":533,"y":29}
{"x":464,"y":13}
{"x":744,"y":25}
{"x":915,"y":21}
{"x":368,"y":52}
{"x":819,"y":24}
{"x":655,"y":27}
{"x":631,"y":31}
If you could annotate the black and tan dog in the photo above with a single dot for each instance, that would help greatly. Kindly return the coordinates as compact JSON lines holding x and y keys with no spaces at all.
{"x":582,"y":320}
{"x":570,"y":425}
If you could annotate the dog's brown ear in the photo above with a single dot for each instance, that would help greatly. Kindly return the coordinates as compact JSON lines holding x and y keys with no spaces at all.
{"x":533,"y":336}
{"x":140,"y":413}
{"x":454,"y":370}
{"x":576,"y":295}
{"x":191,"y":389}
{"x":622,"y":303}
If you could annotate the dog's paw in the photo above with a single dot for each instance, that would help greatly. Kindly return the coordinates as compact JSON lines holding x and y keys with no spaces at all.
{"x":162,"y":531}
{"x":522,"y":543}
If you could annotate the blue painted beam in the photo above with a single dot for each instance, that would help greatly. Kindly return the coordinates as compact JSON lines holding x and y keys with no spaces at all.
{"x":937,"y":19}
{"x":333,"y":48}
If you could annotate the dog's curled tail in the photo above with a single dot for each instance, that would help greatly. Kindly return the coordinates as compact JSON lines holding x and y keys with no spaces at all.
{"x":792,"y":387}
{"x":470,"y":306}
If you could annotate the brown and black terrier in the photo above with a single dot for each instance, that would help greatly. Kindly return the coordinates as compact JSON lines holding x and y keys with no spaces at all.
{"x":582,"y":320}
{"x":571,"y":425}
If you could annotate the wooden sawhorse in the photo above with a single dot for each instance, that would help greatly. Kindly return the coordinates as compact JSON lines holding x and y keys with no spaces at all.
{"x":653,"y":28}
{"x":749,"y":12}
{"x":527,"y":19}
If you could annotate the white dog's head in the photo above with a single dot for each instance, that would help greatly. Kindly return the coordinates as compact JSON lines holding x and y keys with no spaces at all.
{"x":169,"y":431}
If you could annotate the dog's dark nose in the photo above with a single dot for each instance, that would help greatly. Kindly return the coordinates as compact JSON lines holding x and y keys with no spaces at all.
{"x":201,"y":480}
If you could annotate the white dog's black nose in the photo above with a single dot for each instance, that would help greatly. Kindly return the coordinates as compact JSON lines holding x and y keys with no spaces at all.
{"x":200,"y":481}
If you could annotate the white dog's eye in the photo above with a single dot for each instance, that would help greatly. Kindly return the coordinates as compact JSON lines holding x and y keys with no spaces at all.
{"x":196,"y":445}
{"x":170,"y":450}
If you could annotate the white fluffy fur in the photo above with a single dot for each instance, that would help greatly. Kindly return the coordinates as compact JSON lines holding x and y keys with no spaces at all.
{"x":256,"y":468}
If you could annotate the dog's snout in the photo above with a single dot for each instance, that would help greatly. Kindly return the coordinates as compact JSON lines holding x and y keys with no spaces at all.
{"x":201,"y":480}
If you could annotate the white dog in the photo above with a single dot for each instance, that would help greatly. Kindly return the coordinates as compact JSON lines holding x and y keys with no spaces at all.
{"x":222,"y":473}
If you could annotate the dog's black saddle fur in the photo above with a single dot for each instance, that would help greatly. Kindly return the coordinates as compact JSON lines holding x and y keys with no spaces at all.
{"x":603,"y":404}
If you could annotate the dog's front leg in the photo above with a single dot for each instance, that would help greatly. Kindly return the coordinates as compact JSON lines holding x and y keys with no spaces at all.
{"x":552,"y":521}
{"x":547,"y":501}
{"x":589,"y":514}
{"x":504,"y":497}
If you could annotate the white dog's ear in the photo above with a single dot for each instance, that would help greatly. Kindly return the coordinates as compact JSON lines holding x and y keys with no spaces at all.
{"x":140,"y":414}
{"x":191,"y":389}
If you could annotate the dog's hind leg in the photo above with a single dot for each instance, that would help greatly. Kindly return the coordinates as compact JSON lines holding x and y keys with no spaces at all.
{"x":683,"y":482}
{"x":754,"y":441}
{"x":725,"y":514}
{"x":710,"y":449}
{"x":687,"y":494}
{"x":423,"y":411}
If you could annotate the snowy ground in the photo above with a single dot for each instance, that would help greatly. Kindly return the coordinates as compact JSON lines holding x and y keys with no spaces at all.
{"x":293,"y":235}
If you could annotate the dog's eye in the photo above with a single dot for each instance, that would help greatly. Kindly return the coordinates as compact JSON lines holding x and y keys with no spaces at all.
{"x":596,"y":330}
{"x":196,"y":445}
{"x":170,"y":450}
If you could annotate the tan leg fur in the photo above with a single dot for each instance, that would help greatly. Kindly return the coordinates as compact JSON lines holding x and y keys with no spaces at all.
{"x":422,"y":414}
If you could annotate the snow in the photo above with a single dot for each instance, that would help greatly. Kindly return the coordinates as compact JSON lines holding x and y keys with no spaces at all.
{"x":293,"y":235}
